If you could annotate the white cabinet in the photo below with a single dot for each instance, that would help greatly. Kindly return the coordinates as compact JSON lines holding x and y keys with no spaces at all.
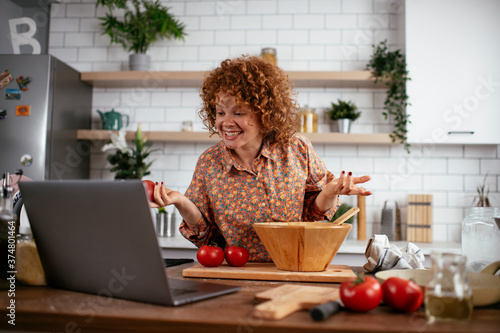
{"x":453,"y":57}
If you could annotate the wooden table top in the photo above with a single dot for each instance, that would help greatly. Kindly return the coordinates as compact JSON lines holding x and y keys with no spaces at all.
{"x":45,"y":309}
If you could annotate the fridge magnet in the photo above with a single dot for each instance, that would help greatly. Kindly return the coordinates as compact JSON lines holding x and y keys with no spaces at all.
{"x":13,"y":94}
{"x":22,"y":110}
{"x":5,"y":78}
{"x":3,"y":114}
{"x":26,"y":160}
{"x":22,"y":82}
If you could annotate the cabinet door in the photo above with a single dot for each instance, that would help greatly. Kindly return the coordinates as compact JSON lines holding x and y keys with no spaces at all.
{"x":453,"y":57}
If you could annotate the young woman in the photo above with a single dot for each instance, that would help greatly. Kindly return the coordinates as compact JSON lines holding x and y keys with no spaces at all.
{"x":261,"y":170}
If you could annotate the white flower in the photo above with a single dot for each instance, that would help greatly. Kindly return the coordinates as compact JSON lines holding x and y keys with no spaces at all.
{"x":118,"y":141}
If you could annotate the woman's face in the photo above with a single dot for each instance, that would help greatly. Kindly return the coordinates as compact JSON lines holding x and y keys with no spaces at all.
{"x":238,"y":127}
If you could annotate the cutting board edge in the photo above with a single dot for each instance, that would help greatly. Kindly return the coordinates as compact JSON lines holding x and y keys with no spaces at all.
{"x":198,"y":271}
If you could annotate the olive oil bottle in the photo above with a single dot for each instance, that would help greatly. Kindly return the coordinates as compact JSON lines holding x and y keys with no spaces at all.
{"x":448,"y":295}
{"x":440,"y":307}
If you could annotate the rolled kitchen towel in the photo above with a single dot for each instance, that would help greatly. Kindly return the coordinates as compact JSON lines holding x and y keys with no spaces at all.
{"x":383,"y":256}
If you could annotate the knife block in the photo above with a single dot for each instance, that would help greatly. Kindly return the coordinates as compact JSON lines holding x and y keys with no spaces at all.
{"x":419,"y":228}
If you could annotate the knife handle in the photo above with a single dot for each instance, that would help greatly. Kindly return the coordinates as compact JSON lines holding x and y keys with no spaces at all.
{"x":324,"y":310}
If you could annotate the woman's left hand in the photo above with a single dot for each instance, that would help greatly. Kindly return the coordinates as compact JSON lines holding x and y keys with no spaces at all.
{"x":346,"y":185}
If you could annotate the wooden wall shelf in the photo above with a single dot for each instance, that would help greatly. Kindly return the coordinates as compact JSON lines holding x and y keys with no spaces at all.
{"x":193,"y":79}
{"x":352,"y":138}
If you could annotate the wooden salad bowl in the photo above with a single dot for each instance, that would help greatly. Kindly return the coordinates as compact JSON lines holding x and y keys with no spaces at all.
{"x":302,"y":246}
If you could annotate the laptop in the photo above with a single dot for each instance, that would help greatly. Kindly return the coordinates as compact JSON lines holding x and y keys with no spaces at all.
{"x":98,"y":237}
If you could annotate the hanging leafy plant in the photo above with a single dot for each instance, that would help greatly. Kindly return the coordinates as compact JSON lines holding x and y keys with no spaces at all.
{"x":143,"y":22}
{"x":390,"y":67}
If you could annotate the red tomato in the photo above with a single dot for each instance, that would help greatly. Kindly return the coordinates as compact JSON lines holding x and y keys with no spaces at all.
{"x":210,"y":256}
{"x":402,"y":295}
{"x":362,"y":295}
{"x":149,"y":186}
{"x":236,"y":255}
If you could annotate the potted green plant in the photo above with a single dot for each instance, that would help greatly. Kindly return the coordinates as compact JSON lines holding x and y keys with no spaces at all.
{"x":343,"y":113}
{"x":143,"y":22}
{"x":482,"y":199}
{"x":389,"y":67}
{"x":129,"y":163}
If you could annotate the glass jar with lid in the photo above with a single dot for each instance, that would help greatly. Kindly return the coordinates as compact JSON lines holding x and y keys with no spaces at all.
{"x":308,"y":120}
{"x":480,"y":238}
{"x":29,"y":267}
{"x":8,"y":233}
{"x":269,"y":55}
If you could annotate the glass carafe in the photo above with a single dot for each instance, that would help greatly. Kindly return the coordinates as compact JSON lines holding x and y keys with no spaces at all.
{"x":480,"y":238}
{"x":448,"y":295}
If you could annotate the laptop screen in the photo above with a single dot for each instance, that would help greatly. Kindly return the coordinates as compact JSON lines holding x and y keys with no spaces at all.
{"x":97,"y":236}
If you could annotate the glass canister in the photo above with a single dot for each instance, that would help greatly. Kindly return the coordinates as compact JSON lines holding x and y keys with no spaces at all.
{"x":308,"y":120}
{"x":8,"y":234}
{"x":29,"y":267}
{"x":269,"y":55}
{"x":187,"y":126}
{"x":448,"y":295}
{"x":480,"y":238}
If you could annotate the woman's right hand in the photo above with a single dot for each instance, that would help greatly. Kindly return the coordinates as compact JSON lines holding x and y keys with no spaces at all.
{"x":164,"y":196}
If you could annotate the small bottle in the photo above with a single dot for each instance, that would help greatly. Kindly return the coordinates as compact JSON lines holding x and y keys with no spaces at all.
{"x":448,"y":295}
{"x":187,"y":126}
{"x":269,"y":55}
{"x":8,"y":234}
{"x":29,"y":266}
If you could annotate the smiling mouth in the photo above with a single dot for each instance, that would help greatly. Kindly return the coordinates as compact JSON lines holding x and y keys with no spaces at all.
{"x":232,"y":134}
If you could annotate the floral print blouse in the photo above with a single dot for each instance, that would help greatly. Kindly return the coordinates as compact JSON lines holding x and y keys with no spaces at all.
{"x":283,"y":187}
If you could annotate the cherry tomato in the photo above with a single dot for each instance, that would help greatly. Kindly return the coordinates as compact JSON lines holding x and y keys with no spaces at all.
{"x":402,"y":295}
{"x":236,"y":255}
{"x":210,"y":256}
{"x":362,"y":295}
{"x":149,"y":187}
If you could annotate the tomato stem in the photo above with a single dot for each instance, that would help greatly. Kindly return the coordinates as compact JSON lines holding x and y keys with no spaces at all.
{"x":360,"y":278}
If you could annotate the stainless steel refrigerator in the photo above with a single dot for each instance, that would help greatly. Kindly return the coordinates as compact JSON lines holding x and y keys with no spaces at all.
{"x":39,"y":119}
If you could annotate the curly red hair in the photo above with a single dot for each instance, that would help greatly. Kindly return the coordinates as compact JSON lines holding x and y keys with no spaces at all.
{"x":261,"y":86}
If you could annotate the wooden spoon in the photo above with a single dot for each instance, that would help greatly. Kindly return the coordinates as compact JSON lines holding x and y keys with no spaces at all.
{"x":346,"y":216}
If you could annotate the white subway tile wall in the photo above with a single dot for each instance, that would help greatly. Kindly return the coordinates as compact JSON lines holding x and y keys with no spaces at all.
{"x":308,"y":35}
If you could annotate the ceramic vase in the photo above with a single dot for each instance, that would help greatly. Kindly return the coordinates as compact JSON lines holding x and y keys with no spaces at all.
{"x":139,"y":62}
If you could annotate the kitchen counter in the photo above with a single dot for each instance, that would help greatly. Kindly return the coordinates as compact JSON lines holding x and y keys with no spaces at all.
{"x":44,"y":309}
{"x":349,"y":246}
{"x":352,"y":252}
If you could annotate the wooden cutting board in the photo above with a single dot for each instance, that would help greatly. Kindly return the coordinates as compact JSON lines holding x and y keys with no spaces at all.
{"x":288,"y":298}
{"x":269,"y":272}
{"x":419,"y":227}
